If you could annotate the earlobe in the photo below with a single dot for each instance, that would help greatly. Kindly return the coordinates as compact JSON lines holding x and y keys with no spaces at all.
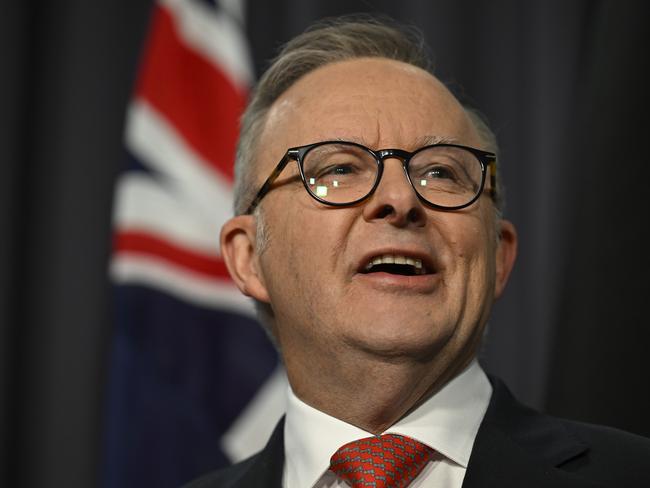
{"x":239,"y":253}
{"x":505,"y":255}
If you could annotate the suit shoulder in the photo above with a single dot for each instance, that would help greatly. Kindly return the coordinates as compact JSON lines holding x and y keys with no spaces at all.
{"x":616,"y":456}
{"x":602,"y":456}
{"x":610,"y":438}
{"x":225,"y":477}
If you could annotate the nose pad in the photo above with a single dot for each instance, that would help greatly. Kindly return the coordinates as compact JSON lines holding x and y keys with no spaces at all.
{"x":394,"y":177}
{"x":394,"y":199}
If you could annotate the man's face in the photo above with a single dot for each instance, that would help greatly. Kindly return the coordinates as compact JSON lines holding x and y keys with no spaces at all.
{"x":313,"y":268}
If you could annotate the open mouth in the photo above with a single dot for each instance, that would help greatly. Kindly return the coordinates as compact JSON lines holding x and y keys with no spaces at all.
{"x":396,"y":264}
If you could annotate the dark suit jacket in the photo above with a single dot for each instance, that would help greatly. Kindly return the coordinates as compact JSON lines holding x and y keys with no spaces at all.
{"x":515,"y":447}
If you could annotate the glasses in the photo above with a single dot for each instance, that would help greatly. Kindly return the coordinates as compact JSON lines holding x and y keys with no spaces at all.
{"x":340,"y":173}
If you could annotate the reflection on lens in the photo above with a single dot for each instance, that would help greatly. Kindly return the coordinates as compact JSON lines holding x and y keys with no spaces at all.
{"x":448,"y":176}
{"x":339,"y":172}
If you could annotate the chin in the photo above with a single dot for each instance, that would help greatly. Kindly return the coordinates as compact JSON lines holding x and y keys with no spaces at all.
{"x":398,"y":341}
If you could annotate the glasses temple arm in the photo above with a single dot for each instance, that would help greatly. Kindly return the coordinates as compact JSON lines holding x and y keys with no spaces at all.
{"x":266,"y":187}
{"x":492,"y":172}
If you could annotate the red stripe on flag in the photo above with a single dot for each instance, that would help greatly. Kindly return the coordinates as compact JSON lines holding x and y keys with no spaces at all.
{"x":135,"y":242}
{"x":191,"y":92}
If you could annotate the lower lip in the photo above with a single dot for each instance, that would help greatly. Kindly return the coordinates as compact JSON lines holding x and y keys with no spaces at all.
{"x":416,"y":284}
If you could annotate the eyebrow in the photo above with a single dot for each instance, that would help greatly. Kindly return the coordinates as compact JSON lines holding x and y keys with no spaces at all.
{"x":429,"y":140}
{"x":426,"y":140}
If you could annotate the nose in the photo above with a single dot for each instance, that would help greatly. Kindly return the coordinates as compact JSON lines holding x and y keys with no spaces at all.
{"x":395,"y":199}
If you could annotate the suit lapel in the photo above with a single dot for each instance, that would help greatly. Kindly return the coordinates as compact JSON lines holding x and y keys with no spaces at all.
{"x":516,"y":447}
{"x":265,"y":470}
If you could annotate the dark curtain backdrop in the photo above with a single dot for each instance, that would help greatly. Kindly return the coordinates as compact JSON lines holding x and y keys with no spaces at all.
{"x":563,"y":85}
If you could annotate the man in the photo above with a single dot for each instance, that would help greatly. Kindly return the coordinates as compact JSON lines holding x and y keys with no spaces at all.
{"x":368,"y":229}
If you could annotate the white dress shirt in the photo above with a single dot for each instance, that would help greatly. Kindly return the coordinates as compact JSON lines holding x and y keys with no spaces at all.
{"x":447,"y":422}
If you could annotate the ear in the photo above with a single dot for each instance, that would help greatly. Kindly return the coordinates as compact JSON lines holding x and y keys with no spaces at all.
{"x":238,"y":237}
{"x":505,"y":256}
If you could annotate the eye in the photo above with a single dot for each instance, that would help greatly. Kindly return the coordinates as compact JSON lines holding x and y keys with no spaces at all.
{"x":439,"y":172}
{"x":339,"y":165}
{"x":445,"y":169}
{"x":338,"y":170}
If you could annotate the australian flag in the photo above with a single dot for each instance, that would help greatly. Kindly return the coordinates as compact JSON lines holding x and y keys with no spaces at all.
{"x":194,"y":382}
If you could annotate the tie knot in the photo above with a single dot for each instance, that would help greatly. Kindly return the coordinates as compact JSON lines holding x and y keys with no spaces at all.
{"x":386,"y":461}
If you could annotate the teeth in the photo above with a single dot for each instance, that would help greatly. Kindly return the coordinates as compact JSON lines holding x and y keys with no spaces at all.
{"x":397,"y":259}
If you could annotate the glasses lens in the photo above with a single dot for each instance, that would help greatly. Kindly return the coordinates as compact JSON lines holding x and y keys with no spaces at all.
{"x":339,"y":172}
{"x":445,"y":175}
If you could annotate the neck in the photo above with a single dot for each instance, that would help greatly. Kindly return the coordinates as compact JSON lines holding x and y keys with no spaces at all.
{"x":368,"y":391}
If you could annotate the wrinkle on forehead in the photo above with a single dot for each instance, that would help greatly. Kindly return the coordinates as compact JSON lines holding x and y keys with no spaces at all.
{"x":429,"y":140}
{"x":366,"y":96}
{"x":425,"y":140}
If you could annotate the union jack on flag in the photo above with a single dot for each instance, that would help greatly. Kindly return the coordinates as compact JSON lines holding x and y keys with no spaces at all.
{"x":194,"y":382}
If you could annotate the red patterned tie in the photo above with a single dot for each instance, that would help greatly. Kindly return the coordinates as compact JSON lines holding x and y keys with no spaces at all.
{"x":387,"y":461}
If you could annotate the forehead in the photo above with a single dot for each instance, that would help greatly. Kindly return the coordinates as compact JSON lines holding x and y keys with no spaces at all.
{"x":375,"y":101}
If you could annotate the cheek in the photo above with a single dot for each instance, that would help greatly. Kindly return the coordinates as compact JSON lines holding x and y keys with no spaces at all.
{"x":301,"y":258}
{"x":473,"y":257}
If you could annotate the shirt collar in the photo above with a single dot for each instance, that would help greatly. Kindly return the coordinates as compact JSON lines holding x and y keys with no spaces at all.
{"x":447,"y":422}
